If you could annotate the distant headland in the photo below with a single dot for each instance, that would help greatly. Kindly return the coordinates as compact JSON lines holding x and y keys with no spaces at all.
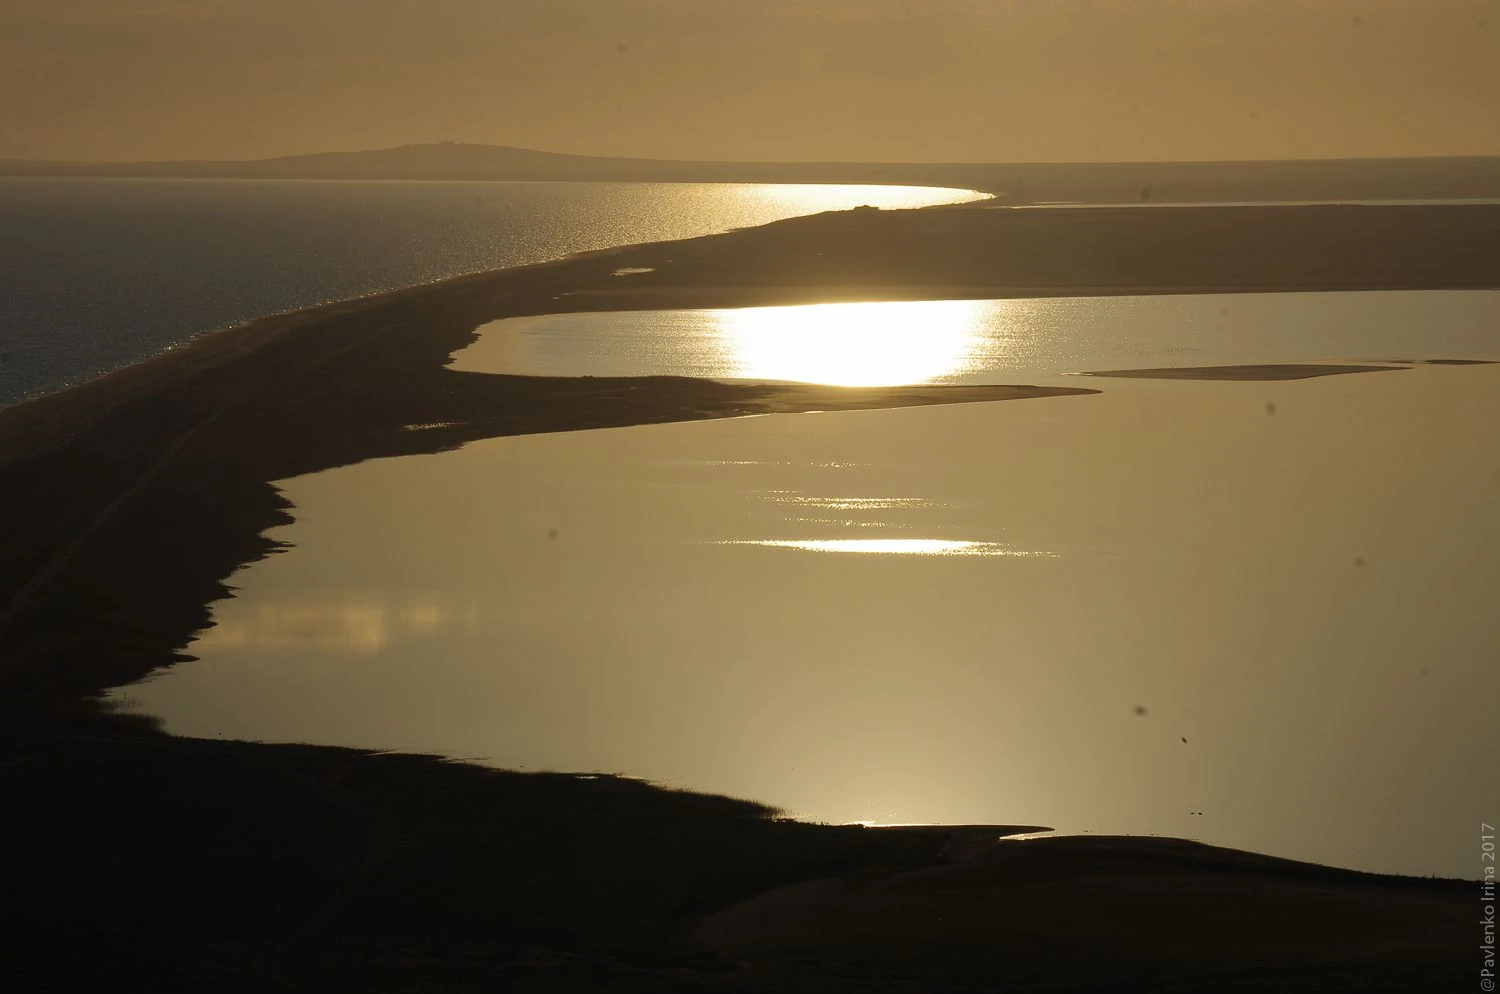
{"x":1459,"y":178}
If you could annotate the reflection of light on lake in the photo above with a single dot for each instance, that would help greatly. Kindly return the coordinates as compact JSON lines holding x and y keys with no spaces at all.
{"x":894,"y":546}
{"x":865,"y":344}
{"x":813,"y":198}
{"x":354,"y":623}
{"x":846,"y":503}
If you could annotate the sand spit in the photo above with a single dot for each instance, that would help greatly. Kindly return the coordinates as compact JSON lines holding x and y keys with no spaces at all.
{"x":1261,"y":372}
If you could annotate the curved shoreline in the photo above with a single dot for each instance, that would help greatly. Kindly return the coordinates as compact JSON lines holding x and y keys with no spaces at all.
{"x":916,"y":254}
{"x":300,"y":392}
{"x":371,"y":281}
{"x":318,"y":861}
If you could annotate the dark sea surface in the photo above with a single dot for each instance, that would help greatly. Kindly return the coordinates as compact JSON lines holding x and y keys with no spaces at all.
{"x":99,"y":273}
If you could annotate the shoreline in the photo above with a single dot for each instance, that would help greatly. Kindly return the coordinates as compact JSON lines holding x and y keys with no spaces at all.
{"x":248,"y":866}
{"x":309,"y":390}
{"x":583,"y":284}
{"x":167,"y":471}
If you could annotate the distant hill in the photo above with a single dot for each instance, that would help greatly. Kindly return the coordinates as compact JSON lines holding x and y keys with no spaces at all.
{"x":1131,"y":182}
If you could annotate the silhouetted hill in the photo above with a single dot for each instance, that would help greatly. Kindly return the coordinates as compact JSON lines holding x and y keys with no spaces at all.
{"x":1130,"y":182}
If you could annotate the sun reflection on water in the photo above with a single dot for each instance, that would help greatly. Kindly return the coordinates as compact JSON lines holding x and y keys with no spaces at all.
{"x":845,"y":503}
{"x":881,"y":343}
{"x":894,"y":546}
{"x":813,"y":198}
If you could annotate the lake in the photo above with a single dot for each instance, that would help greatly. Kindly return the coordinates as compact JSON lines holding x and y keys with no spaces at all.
{"x":989,"y":341}
{"x":1255,"y":614}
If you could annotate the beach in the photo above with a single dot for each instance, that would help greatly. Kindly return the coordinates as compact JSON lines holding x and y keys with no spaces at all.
{"x":129,"y":501}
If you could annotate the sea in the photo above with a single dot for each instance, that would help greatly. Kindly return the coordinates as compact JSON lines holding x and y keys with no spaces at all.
{"x":96,"y":274}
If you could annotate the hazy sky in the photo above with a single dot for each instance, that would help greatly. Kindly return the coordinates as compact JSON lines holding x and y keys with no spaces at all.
{"x":753,"y":79}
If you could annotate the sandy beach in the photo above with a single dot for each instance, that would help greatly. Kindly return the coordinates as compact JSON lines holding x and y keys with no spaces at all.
{"x":129,"y":501}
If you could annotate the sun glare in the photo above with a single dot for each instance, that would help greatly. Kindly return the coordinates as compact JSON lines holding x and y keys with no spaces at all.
{"x":892,"y":546}
{"x":885,"y":343}
{"x":814,"y":198}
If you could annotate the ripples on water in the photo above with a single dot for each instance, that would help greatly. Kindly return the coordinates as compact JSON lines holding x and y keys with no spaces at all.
{"x":100,"y":273}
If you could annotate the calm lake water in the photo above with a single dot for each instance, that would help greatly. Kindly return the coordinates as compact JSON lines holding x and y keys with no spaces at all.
{"x":1256,"y":614}
{"x":102,"y":273}
{"x":987,"y":341}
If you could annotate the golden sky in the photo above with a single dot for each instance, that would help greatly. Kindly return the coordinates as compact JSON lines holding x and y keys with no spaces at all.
{"x":920,"y":80}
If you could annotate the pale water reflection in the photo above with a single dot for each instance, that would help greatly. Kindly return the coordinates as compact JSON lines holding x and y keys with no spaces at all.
{"x":880,"y":343}
{"x":1269,"y":632}
{"x":351,"y":622}
{"x":853,"y":345}
{"x":891,"y":546}
{"x":845,"y":503}
{"x":812,"y":198}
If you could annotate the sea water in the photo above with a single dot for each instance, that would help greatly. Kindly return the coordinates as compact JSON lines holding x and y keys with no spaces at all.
{"x":99,"y":273}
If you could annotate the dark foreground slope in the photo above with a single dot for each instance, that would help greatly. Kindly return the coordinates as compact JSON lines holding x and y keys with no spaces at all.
{"x":182,"y":865}
{"x":130,"y":859}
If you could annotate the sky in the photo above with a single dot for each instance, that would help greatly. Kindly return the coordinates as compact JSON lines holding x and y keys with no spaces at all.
{"x":873,"y":80}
